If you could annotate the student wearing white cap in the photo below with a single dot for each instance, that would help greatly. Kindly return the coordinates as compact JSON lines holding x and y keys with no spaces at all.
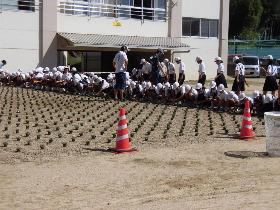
{"x":170,"y":71}
{"x":163,"y":73}
{"x":191,"y":95}
{"x":182,"y":70}
{"x":146,"y":69}
{"x":201,"y":71}
{"x":270,"y":79}
{"x":120,"y":64}
{"x":222,"y":97}
{"x":201,"y":99}
{"x":268,"y":101}
{"x":156,"y":63}
{"x":3,"y":63}
{"x":239,"y":81}
{"x":211,"y":95}
{"x":220,"y":78}
{"x":257,"y":102}
{"x":232,"y":100}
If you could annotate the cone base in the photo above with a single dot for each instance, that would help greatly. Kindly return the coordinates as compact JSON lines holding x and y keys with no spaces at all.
{"x":118,"y":151}
{"x":247,"y":137}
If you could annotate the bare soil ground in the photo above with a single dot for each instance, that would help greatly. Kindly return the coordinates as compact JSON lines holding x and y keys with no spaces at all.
{"x":52,"y":156}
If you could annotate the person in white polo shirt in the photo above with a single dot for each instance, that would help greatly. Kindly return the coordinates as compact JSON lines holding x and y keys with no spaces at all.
{"x":182,"y":70}
{"x":239,"y":81}
{"x":3,"y":63}
{"x":170,"y":71}
{"x":270,"y":79}
{"x":201,"y":71}
{"x":220,"y":78}
{"x":120,"y":63}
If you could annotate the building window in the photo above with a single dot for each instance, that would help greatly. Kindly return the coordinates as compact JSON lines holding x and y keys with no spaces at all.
{"x":137,"y":9}
{"x":28,"y":5}
{"x":199,"y":27}
{"x":204,"y":28}
{"x":213,"y":24}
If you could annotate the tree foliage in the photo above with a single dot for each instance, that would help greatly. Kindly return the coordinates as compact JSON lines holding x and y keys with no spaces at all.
{"x":250,"y":19}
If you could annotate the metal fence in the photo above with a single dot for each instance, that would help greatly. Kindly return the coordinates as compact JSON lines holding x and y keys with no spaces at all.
{"x":17,"y":5}
{"x":259,"y":48}
{"x":93,"y":9}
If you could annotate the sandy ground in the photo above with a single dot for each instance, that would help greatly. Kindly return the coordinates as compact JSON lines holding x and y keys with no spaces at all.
{"x":52,"y":156}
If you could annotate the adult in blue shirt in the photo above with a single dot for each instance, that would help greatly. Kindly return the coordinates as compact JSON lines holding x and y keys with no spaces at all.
{"x":156,"y":64}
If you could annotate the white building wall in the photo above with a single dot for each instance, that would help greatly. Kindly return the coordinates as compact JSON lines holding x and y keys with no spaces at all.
{"x":207,"y":48}
{"x":104,"y":25}
{"x":19,"y":39}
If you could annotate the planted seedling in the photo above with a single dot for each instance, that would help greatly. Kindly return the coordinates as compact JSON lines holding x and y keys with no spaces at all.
{"x":5,"y":144}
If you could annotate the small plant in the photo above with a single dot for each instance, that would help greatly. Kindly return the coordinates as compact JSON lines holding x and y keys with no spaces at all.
{"x":18,"y":149}
{"x":38,"y":136}
{"x":27,"y":134}
{"x":7,"y":136}
{"x":59,"y":135}
{"x":5,"y":144}
{"x":50,"y":140}
{"x":42,"y":146}
{"x":18,"y":138}
{"x":64,"y":144}
{"x":73,"y":139}
{"x":87,"y":143}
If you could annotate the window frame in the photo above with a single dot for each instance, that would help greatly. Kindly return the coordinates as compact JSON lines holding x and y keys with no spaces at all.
{"x":190,"y":19}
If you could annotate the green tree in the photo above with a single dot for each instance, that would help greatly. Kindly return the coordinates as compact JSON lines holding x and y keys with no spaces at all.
{"x":245,"y":18}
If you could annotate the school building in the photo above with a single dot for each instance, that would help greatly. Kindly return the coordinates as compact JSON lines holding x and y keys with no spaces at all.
{"x":88,"y":33}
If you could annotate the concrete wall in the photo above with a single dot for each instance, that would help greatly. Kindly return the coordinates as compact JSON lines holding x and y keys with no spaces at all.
{"x":48,"y":30}
{"x":208,"y":48}
{"x":104,"y":25}
{"x":19,"y":39}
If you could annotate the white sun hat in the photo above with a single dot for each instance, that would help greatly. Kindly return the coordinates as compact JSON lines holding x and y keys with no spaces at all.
{"x":159,"y":86}
{"x":218,"y":59}
{"x":221,"y":87}
{"x":177,"y":59}
{"x":198,"y":86}
{"x":235,"y":58}
{"x":213,"y":84}
{"x":242,"y":96}
{"x":176,"y":85}
{"x":188,"y":88}
{"x":198,"y":58}
{"x":256,"y":93}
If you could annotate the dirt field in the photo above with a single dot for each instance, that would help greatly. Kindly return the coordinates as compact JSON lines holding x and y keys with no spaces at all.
{"x":52,"y":156}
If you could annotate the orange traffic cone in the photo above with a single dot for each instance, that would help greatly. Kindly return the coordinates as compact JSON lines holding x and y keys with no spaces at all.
{"x":247,"y":127}
{"x":122,"y":140}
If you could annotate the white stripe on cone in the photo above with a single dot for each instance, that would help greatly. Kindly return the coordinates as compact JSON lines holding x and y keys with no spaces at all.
{"x":119,"y":138}
{"x":122,"y":117}
{"x":248,"y":126}
{"x":247,"y":118}
{"x":122,"y":127}
{"x":247,"y":110}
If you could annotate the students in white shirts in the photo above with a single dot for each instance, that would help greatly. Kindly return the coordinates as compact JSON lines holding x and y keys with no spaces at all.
{"x":201,"y":71}
{"x":239,"y":81}
{"x":170,"y":71}
{"x":3,"y":63}
{"x":270,"y":79}
{"x":120,"y":63}
{"x":220,"y":78}
{"x":182,"y":70}
{"x":146,"y":69}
